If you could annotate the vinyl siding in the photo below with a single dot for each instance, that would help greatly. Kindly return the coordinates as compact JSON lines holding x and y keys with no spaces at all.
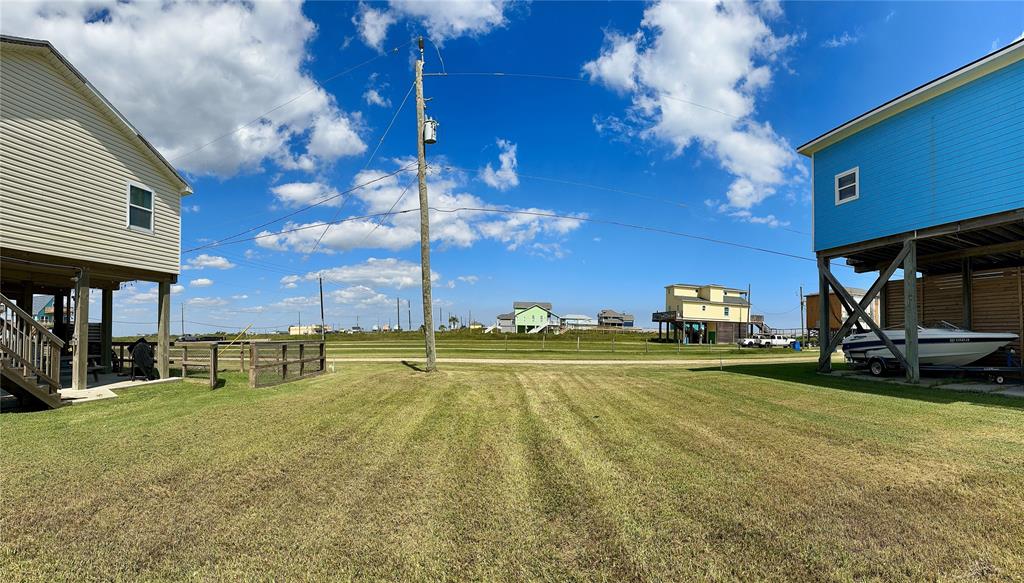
{"x":957,"y":156}
{"x":65,"y":164}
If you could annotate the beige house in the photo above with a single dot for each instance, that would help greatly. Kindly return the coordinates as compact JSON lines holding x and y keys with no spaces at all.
{"x":704,"y":313}
{"x":87,"y":203}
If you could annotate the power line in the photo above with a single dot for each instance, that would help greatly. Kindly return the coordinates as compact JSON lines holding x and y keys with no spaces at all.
{"x":576,"y":79}
{"x":368,"y":160}
{"x":543,"y":215}
{"x":315,"y":87}
{"x":297,"y":211}
{"x":387,"y":214}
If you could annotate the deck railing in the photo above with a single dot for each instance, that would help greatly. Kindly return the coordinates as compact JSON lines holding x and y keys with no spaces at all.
{"x":27,"y":346}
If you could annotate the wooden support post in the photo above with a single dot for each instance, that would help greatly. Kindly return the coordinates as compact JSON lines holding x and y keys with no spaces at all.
{"x":284,"y":361}
{"x":241,"y":358}
{"x":107,"y":336}
{"x":323,"y":356}
{"x":184,"y":360}
{"x":80,"y":351}
{"x":302,"y":359}
{"x":25,"y":298}
{"x":163,"y":329}
{"x":824,"y":317}
{"x":213,"y":365}
{"x":59,"y":316}
{"x":966,"y":283}
{"x":253,"y":359}
{"x":883,"y":306}
{"x":910,"y":315}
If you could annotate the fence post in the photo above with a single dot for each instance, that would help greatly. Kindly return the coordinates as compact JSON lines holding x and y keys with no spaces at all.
{"x":543,"y":341}
{"x":323,"y":357}
{"x":613,"y":342}
{"x":253,"y":358}
{"x":506,"y":343}
{"x":241,"y":358}
{"x":302,"y":359}
{"x":577,"y":344}
{"x":646,"y":345}
{"x":213,"y":366}
{"x":284,"y":361}
{"x":184,"y":360}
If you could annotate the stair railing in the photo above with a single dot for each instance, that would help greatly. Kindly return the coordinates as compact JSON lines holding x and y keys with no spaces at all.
{"x":27,"y":345}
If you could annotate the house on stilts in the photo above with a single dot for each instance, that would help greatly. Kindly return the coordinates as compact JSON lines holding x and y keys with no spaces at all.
{"x":87,"y":204}
{"x":929,"y":182}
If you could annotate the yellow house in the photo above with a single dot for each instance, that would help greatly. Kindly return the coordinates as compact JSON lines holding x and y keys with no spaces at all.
{"x":708,"y":313}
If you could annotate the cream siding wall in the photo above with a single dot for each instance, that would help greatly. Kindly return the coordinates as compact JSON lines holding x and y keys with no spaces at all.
{"x":65,"y":164}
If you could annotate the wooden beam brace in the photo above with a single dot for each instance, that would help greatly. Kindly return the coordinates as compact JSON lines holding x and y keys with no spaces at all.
{"x":883,"y":278}
{"x":857,"y":311}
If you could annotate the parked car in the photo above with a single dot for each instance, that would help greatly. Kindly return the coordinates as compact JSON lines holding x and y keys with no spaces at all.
{"x":766,"y":341}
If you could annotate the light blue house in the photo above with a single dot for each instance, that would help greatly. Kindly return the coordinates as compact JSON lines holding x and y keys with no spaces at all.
{"x":931,"y":181}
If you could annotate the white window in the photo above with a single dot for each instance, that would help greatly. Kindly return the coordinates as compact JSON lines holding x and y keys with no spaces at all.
{"x":140,"y":208}
{"x":847,"y":185}
{"x":727,"y":310}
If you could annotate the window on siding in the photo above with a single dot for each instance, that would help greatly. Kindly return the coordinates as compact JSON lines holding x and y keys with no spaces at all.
{"x":727,"y":310}
{"x":140,"y":208}
{"x":847,"y":185}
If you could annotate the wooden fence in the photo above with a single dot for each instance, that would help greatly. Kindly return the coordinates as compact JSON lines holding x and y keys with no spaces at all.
{"x":266,"y":363}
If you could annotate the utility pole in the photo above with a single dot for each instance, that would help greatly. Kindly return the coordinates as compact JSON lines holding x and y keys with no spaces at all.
{"x":408,"y":307}
{"x":182,"y":318}
{"x":398,"y":313}
{"x":421,"y":154}
{"x":802,"y":337}
{"x":750,"y":306}
{"x":323,"y":332}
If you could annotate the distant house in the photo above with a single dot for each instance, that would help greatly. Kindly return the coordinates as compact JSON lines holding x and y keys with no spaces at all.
{"x":307,"y":330}
{"x":42,"y":310}
{"x":837,"y":312}
{"x":506,"y":323}
{"x":533,"y":317}
{"x":88,"y":203}
{"x":613,"y":319}
{"x":578,"y":321}
{"x":708,"y":313}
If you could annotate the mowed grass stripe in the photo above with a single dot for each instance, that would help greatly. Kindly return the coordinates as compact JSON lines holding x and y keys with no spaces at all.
{"x":519,"y":472}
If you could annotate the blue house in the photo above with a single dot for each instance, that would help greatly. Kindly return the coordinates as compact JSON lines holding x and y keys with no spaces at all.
{"x":931,"y":182}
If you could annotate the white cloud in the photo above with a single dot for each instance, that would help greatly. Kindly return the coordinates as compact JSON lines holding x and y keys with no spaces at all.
{"x":841,"y":41}
{"x":769,"y":220}
{"x":240,"y":297}
{"x":470,"y":279}
{"x":207,"y":302}
{"x":373,"y":97}
{"x":360,"y":295}
{"x":373,"y":25}
{"x":196,"y":71}
{"x":505,"y":176}
{"x":290,"y":281}
{"x":295,"y":194}
{"x":389,"y":272}
{"x":194,"y":208}
{"x":201,"y":282}
{"x":204,"y":261}
{"x":442,"y":20}
{"x":692,"y":71}
{"x":177,"y":288}
{"x":401,"y":229}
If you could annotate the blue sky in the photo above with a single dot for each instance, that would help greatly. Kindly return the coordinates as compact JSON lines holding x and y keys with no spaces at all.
{"x":686,"y":116}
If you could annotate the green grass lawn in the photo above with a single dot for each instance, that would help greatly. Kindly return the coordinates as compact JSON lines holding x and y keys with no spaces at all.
{"x":519,"y":472}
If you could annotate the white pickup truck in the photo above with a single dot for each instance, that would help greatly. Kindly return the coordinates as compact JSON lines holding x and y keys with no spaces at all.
{"x":767,"y":341}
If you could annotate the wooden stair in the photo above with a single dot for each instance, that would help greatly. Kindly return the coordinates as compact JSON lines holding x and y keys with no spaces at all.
{"x":29,"y":356}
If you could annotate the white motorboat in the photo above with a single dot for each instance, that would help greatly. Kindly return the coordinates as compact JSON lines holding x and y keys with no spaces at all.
{"x":940,"y":345}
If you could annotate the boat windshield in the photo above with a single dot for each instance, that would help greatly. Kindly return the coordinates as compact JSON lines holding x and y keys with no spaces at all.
{"x":936,"y":325}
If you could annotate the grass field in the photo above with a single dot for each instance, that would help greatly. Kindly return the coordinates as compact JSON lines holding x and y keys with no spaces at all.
{"x":519,"y":472}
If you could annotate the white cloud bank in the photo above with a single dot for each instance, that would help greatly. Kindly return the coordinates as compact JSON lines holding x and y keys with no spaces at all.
{"x":693,"y":71}
{"x":388,"y":272}
{"x":401,"y":229}
{"x":442,"y":20}
{"x":204,"y":261}
{"x":187,"y":73}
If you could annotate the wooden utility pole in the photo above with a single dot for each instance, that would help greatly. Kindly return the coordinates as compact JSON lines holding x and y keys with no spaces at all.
{"x":398,"y":313}
{"x":408,"y":307}
{"x":750,"y":306}
{"x":323,"y":331}
{"x":182,"y":318}
{"x":421,"y":154}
